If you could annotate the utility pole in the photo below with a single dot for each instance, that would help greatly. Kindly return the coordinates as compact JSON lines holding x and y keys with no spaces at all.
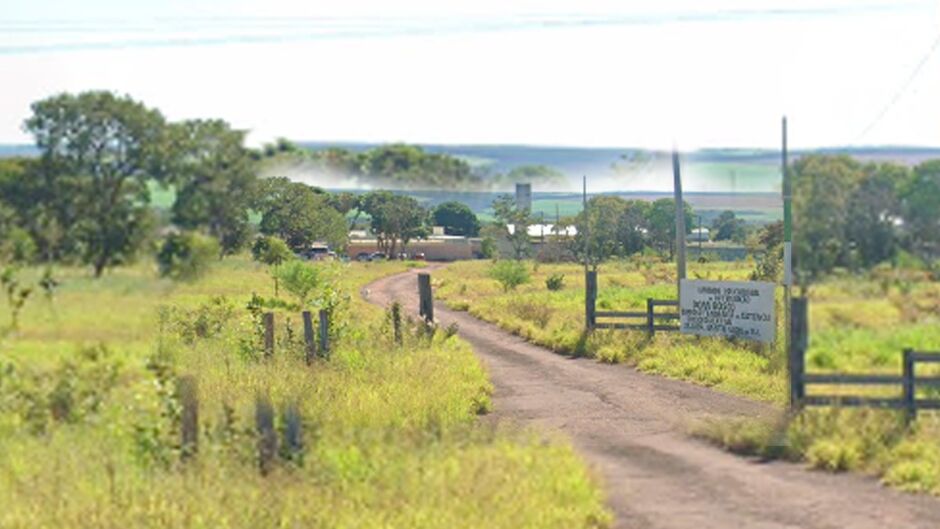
{"x":680,"y":220}
{"x":787,"y":235}
{"x":699,"y":236}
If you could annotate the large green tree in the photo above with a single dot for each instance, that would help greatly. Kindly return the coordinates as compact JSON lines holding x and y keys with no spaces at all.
{"x":456,"y":218}
{"x":873,"y":211}
{"x":394,"y":219}
{"x":214,"y":178}
{"x":727,"y":227}
{"x":98,"y":152}
{"x":661,"y":222}
{"x":610,"y":226}
{"x":298,"y":214}
{"x":822,"y":190}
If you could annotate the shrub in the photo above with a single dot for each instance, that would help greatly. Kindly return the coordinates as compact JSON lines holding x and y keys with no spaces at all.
{"x":532,"y":311}
{"x":555,"y":282}
{"x":273,"y":252}
{"x":187,"y":256}
{"x":509,"y":274}
{"x":300,"y":279}
{"x":488,"y":248}
{"x":834,"y":455}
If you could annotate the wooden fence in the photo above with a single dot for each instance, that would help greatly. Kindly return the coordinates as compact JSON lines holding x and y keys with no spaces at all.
{"x":649,"y":320}
{"x":908,"y":382}
{"x":313,"y":347}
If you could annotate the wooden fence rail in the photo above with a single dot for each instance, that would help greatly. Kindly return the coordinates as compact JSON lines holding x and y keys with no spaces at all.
{"x":652,"y":321}
{"x":908,"y":382}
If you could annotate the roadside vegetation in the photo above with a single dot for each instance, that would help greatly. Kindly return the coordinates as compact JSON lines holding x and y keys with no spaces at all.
{"x":548,"y":309}
{"x":89,"y":426}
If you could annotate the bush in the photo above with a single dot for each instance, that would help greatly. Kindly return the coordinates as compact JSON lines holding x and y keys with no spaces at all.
{"x":509,"y":274}
{"x":187,"y":256}
{"x":555,"y":282}
{"x":271,"y":251}
{"x":300,"y":279}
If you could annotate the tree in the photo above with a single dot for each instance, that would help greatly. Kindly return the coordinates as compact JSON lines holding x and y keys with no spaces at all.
{"x":610,"y":226}
{"x":507,"y":214}
{"x":272,"y":252}
{"x":873,"y":210}
{"x":822,"y":188}
{"x":661,"y":219}
{"x":186,"y":256}
{"x":920,"y":204}
{"x":300,"y":279}
{"x":35,"y":204}
{"x":299,"y":214}
{"x":395,"y":218}
{"x":98,"y":152}
{"x":215,"y":179}
{"x":727,"y":227}
{"x":456,"y":218}
{"x":345,"y":202}
{"x":598,"y":239}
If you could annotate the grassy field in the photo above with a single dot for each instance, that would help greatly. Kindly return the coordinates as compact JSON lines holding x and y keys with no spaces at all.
{"x":555,"y":319}
{"x":89,"y":413}
{"x":858,"y":324}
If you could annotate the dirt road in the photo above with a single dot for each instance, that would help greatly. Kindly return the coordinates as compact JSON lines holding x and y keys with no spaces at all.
{"x":631,"y":428}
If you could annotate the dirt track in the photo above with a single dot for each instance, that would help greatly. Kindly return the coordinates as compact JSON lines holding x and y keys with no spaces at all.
{"x":631,"y":428}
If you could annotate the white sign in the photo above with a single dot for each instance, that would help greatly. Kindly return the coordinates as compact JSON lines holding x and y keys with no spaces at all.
{"x":742,"y":309}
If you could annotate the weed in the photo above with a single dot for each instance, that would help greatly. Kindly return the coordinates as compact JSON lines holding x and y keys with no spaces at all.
{"x":555,"y":282}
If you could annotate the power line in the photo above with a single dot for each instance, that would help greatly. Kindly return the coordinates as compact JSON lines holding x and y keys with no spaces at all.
{"x":900,"y":92}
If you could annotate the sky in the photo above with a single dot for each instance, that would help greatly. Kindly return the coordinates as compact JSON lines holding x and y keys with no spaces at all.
{"x":588,"y":73}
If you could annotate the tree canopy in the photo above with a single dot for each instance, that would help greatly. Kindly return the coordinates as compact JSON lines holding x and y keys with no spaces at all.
{"x":98,"y":152}
{"x":298,"y":214}
{"x":456,"y":218}
{"x":395,"y":218}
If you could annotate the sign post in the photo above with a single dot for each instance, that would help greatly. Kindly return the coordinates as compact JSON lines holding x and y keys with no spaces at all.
{"x":733,"y":309}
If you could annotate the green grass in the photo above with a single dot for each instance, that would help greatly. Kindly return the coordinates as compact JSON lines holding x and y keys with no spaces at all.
{"x":380,"y":449}
{"x":556,"y":320}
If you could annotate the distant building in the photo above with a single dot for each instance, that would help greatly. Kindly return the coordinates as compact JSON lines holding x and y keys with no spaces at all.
{"x":524,"y":196}
{"x":699,"y":234}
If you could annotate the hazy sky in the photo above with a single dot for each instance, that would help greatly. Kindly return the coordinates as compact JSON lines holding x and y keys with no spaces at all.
{"x":611,"y":73}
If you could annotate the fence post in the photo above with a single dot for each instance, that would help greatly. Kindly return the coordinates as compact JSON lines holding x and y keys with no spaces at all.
{"x":650,"y":317}
{"x":309,"y":339}
{"x":324,"y":333}
{"x":267,"y":437}
{"x":910,"y":404}
{"x":799,"y":340}
{"x":189,"y":417}
{"x":268,"y":334}
{"x":426,"y":299}
{"x":590,"y":299}
{"x":293,"y":443}
{"x":396,"y":322}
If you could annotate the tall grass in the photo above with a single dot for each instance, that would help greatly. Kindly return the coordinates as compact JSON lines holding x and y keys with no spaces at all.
{"x":390,"y":432}
{"x":555,"y":319}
